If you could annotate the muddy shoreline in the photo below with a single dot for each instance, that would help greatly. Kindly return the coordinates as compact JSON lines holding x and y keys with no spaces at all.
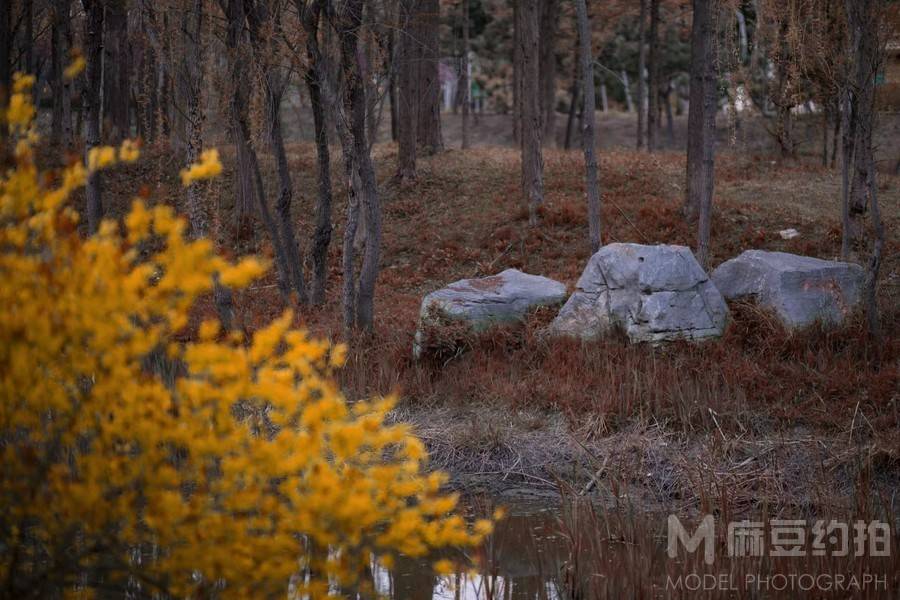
{"x":539,"y":456}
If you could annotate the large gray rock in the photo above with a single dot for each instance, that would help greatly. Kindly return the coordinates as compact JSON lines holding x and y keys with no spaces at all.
{"x":799,"y":289}
{"x":480,"y":303}
{"x":652,"y":293}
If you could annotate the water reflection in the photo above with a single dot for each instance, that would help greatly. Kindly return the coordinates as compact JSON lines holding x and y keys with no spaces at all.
{"x":521,"y":560}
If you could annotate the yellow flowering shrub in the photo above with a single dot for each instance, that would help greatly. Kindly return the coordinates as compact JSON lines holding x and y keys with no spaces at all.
{"x":225,"y":464}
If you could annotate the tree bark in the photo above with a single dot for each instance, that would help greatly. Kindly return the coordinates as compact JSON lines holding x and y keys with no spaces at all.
{"x":517,"y":73}
{"x":354,"y":105}
{"x":701,"y":127}
{"x":861,"y":191}
{"x":93,"y":46}
{"x":532,"y":159}
{"x":321,"y":238}
{"x":429,"y":135}
{"x":587,"y":135}
{"x":629,"y":103}
{"x":547,"y":33}
{"x":653,"y":83}
{"x":191,"y":85}
{"x":61,"y":128}
{"x":466,"y":101}
{"x":574,"y":98}
{"x":5,"y":54}
{"x":408,"y":109}
{"x":243,"y":175}
{"x":642,"y":66}
{"x":116,"y":76}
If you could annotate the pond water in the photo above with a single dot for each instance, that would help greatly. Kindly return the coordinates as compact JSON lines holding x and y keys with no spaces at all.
{"x":582,"y":552}
{"x":522,"y":559}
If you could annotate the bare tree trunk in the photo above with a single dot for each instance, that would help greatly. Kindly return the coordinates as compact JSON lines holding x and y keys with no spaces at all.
{"x":574,"y":97}
{"x":275,"y":86}
{"x":670,"y":120}
{"x":587,"y":135}
{"x":532,"y":160}
{"x":243,"y":173}
{"x":866,"y":52}
{"x":248,"y":171}
{"x":93,"y":45}
{"x":408,"y":110}
{"x":653,"y":83}
{"x":549,"y":24}
{"x":191,"y":85}
{"x":263,"y":24}
{"x":116,"y":78}
{"x":429,"y":135}
{"x":359,"y":154}
{"x":642,"y":66}
{"x":392,"y":17}
{"x":701,"y":127}
{"x":466,"y":101}
{"x":5,"y":55}
{"x":322,"y":235}
{"x":629,"y":103}
{"x":517,"y":73}
{"x":61,"y":128}
{"x":604,"y":102}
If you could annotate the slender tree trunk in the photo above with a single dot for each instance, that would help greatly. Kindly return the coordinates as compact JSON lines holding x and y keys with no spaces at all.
{"x":532,"y":160}
{"x":629,"y":103}
{"x":587,"y":135}
{"x":30,"y":66}
{"x":191,"y":84}
{"x":90,"y":100}
{"x":670,"y":120}
{"x":517,"y":73}
{"x":5,"y":54}
{"x":117,"y":76}
{"x":408,"y":110}
{"x":466,"y":101}
{"x":322,"y":235}
{"x":392,"y":17}
{"x":653,"y":84}
{"x":61,"y":129}
{"x":275,"y":86}
{"x":354,"y":105}
{"x":574,"y":96}
{"x":642,"y":66}
{"x":429,"y":135}
{"x":243,"y":173}
{"x":604,"y":102}
{"x":863,"y":21}
{"x":701,"y":127}
{"x":549,"y":24}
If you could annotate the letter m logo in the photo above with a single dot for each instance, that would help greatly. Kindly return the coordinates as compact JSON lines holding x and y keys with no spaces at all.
{"x":704,"y":534}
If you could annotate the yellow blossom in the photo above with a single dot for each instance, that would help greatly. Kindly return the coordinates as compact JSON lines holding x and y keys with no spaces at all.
{"x":208,"y":167}
{"x":235,"y":455}
{"x":75,"y":67}
{"x":129,"y":151}
{"x":101,"y":157}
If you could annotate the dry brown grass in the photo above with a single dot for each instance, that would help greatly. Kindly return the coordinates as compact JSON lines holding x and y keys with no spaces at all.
{"x":465,"y":218}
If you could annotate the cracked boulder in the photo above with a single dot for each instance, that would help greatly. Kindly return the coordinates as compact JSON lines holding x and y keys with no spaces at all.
{"x":651,"y":293}
{"x":800,"y":290}
{"x":473,"y":305}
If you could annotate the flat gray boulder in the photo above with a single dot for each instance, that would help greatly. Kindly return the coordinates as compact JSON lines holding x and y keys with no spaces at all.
{"x":485,"y":301}
{"x":652,"y":293}
{"x":799,"y":289}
